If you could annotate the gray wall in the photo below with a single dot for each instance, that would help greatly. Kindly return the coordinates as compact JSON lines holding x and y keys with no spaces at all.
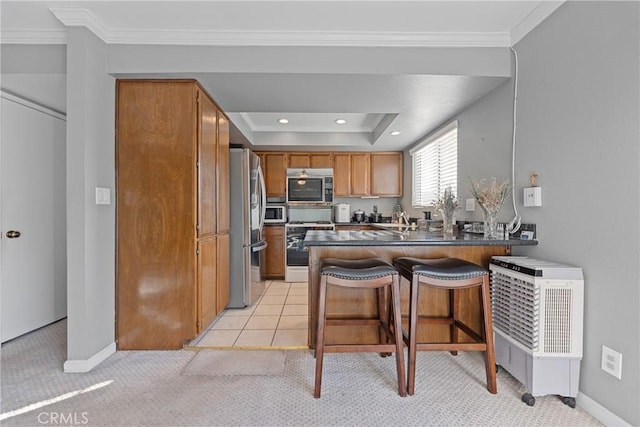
{"x":578,"y":129}
{"x":91,"y":227}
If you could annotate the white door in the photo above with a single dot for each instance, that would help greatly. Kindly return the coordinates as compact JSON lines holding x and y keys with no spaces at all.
{"x":33,"y":249}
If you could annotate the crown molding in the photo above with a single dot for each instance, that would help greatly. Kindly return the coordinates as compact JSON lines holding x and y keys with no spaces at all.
{"x":532,"y":20}
{"x":308,"y":38}
{"x":83,"y":17}
{"x":75,"y":17}
{"x":32,"y":36}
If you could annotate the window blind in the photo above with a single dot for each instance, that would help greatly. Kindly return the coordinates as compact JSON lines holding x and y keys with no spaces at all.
{"x":435,"y":166}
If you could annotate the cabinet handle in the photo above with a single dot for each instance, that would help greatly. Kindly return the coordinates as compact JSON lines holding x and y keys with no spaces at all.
{"x":12,"y":234}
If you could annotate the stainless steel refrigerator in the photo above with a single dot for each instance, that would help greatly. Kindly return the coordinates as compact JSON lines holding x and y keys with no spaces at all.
{"x":247,"y":206}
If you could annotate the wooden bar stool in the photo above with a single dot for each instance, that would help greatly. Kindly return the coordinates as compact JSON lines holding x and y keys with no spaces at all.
{"x":451,"y":274}
{"x":370,"y":273}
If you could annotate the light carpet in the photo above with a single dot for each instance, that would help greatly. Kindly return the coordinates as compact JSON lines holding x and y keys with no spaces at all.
{"x":236,"y":362}
{"x":151,"y":388}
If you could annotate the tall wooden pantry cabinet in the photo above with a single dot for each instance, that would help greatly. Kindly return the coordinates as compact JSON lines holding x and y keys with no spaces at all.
{"x":172,"y":165}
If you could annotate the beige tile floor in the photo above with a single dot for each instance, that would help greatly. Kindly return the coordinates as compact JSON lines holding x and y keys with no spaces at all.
{"x":278,"y":320}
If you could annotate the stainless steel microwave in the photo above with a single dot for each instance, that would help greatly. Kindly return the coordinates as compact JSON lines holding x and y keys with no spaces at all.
{"x":309,"y":185}
{"x":275,"y":214}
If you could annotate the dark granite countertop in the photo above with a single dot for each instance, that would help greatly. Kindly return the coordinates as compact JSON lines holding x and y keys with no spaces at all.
{"x":403,"y":238}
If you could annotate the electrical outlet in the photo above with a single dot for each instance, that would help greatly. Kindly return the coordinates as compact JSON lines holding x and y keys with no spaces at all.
{"x":533,"y":196}
{"x":611,"y":362}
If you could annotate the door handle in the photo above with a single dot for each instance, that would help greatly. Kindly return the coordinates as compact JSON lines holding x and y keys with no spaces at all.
{"x":259,"y":247}
{"x":12,"y":234}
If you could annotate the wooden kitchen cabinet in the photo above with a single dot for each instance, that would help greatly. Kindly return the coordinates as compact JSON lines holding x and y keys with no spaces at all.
{"x":299,"y":160}
{"x":368,"y":174}
{"x":321,"y":160}
{"x":170,"y":175}
{"x":355,"y":174}
{"x":275,"y":173}
{"x":341,"y":174}
{"x":386,"y":174}
{"x":207,"y":277}
{"x":309,"y":160}
{"x":360,"y":174}
{"x":274,"y":254}
{"x":351,"y":174}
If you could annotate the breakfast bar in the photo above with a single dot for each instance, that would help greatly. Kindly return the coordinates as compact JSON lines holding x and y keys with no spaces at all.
{"x":388,"y":245}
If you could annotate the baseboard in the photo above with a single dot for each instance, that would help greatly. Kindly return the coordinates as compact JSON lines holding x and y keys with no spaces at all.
{"x":599,"y":412}
{"x":80,"y":366}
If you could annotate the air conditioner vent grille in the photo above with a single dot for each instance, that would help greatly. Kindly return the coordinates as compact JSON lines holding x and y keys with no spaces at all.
{"x":558,"y":320}
{"x":515,"y":307}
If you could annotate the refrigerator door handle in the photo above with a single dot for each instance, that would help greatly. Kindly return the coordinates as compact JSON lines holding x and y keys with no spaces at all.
{"x":260,"y":247}
{"x":263,"y":200}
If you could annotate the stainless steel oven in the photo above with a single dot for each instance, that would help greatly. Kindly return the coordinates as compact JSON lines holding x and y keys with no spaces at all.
{"x":296,"y":254}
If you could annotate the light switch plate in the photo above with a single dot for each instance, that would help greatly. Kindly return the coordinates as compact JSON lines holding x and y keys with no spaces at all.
{"x":103,"y":196}
{"x":532,"y":196}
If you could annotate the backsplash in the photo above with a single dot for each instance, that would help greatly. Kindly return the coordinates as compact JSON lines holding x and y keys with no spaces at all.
{"x":385,"y":204}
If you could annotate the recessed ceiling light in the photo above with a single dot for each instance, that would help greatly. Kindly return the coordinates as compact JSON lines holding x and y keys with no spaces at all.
{"x":395,"y":132}
{"x":283,"y":121}
{"x":341,"y":121}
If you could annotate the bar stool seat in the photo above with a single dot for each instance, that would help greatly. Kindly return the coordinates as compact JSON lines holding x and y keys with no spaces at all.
{"x":369,"y":273}
{"x":451,"y":274}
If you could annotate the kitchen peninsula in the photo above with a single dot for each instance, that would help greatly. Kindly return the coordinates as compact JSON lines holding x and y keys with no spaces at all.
{"x":388,"y":245}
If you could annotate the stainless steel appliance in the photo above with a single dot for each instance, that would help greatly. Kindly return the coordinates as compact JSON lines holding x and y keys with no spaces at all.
{"x":375,"y":216}
{"x":275,"y":214}
{"x":359,"y":216}
{"x":310,"y":185}
{"x":297,"y":255}
{"x":247,"y":206}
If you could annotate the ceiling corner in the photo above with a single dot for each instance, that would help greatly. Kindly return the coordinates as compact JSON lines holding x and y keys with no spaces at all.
{"x":76,"y":17}
{"x":533,"y":19}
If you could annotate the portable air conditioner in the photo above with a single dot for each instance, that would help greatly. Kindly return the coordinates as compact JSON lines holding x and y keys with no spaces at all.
{"x":537,"y":311}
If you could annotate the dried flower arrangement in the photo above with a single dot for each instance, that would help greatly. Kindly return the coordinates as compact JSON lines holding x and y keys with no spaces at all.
{"x":447,"y":204}
{"x":490,"y":196}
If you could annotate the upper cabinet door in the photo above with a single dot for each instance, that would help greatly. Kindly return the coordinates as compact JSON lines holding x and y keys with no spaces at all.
{"x":386,"y":174}
{"x":360,"y":174}
{"x":275,"y":170}
{"x":341,"y":175}
{"x":321,"y":160}
{"x":299,"y":160}
{"x":207,"y":158}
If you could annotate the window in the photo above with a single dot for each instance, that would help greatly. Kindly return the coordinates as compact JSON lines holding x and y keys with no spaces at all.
{"x":435,"y":165}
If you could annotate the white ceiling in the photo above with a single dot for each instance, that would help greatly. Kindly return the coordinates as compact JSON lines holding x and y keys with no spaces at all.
{"x":373,"y":97}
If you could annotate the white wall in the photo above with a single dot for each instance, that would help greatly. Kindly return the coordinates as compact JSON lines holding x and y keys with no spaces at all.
{"x":578,"y":129}
{"x":36,"y":73}
{"x":91,"y":227}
